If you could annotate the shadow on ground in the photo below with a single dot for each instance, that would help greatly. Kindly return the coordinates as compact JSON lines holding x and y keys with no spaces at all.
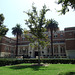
{"x":67,"y":73}
{"x":26,"y":66}
{"x":34,"y":67}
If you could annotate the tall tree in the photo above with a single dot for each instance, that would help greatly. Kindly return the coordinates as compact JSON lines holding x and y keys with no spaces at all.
{"x":65,"y":5}
{"x":36,"y":24}
{"x":17,"y":30}
{"x":3,"y":29}
{"x":52,"y":25}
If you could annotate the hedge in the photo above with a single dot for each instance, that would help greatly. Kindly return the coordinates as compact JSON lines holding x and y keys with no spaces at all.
{"x":4,"y":62}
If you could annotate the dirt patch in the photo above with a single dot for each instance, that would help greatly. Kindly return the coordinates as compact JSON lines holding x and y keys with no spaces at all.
{"x":39,"y":65}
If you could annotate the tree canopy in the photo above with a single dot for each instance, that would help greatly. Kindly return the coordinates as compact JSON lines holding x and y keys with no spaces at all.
{"x":3,"y":29}
{"x":65,"y":5}
{"x":36,"y":24}
{"x":52,"y":25}
{"x":17,"y":30}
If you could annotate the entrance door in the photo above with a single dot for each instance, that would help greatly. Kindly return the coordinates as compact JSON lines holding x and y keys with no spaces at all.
{"x":36,"y":54}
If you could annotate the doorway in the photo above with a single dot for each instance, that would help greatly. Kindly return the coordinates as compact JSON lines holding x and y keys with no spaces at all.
{"x":36,"y":53}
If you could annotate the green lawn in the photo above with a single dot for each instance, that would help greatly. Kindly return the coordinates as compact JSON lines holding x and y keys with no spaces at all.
{"x":26,"y":69}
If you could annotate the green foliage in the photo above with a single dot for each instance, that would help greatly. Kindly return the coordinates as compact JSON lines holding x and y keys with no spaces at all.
{"x":3,"y":29}
{"x":52,"y":25}
{"x":65,"y":5}
{"x":17,"y":30}
{"x":61,"y":61}
{"x":1,"y":19}
{"x":4,"y":62}
{"x":36,"y":24}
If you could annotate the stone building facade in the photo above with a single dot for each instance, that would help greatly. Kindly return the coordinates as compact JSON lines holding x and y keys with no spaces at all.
{"x":63,"y":45}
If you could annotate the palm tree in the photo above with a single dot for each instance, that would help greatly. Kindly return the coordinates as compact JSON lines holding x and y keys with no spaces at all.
{"x":52,"y":25}
{"x":17,"y":30}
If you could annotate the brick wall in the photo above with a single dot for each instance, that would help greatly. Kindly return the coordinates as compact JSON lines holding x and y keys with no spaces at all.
{"x":70,"y":38}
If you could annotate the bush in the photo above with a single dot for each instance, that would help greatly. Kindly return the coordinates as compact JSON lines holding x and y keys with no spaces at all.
{"x":4,"y":62}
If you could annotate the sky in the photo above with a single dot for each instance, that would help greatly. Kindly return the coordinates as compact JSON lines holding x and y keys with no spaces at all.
{"x":13,"y":13}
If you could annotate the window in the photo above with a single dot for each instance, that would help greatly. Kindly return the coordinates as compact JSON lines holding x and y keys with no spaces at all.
{"x":62,"y":41}
{"x":21,"y":50}
{"x":7,"y":48}
{"x":7,"y":40}
{"x":12,"y":49}
{"x":48,"y":50}
{"x":24,"y":51}
{"x":23,"y":38}
{"x":70,"y":34}
{"x":55,"y":49}
{"x":61,"y":35}
{"x":49,"y":36}
{"x":55,"y":41}
{"x":62,"y":49}
{"x":55,"y":36}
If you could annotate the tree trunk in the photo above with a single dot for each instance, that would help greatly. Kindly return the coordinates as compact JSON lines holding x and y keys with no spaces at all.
{"x":38,"y":54}
{"x":52,"y":42}
{"x":17,"y":44}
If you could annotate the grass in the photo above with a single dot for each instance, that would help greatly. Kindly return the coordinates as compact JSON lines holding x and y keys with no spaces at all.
{"x":26,"y":69}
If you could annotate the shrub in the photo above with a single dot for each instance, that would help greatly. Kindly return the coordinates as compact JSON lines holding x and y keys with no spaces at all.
{"x":4,"y":62}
